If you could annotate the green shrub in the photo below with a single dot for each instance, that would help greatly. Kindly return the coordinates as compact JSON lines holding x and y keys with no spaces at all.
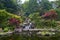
{"x":42,"y":23}
{"x":5,"y":16}
{"x":6,"y":29}
{"x":58,"y":12}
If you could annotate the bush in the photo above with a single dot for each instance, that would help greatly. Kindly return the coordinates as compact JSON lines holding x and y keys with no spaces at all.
{"x":42,"y":23}
{"x":5,"y":16}
{"x":58,"y":12}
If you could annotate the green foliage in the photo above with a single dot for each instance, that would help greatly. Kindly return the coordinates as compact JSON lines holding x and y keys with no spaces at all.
{"x":5,"y":16}
{"x":32,"y":6}
{"x":9,"y":5}
{"x":58,"y":3}
{"x":35,"y":18}
{"x":6,"y":29}
{"x":45,"y":5}
{"x":58,"y":12}
{"x":42,"y":23}
{"x":34,"y":37}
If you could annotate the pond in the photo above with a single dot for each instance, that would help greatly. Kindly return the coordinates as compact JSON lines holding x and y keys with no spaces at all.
{"x":32,"y":37}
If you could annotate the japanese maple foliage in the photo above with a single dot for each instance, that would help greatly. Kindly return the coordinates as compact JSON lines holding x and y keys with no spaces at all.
{"x":14,"y":21}
{"x":50,"y":15}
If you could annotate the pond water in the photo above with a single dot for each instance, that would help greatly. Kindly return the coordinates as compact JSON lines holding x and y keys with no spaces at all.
{"x":32,"y":37}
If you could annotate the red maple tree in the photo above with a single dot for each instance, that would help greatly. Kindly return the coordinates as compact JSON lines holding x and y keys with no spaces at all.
{"x":50,"y":15}
{"x":14,"y":21}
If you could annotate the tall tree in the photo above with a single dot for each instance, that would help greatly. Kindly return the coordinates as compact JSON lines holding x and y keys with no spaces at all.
{"x":31,"y":6}
{"x":44,"y":6}
{"x":37,"y":6}
{"x":9,"y":5}
{"x":58,"y":3}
